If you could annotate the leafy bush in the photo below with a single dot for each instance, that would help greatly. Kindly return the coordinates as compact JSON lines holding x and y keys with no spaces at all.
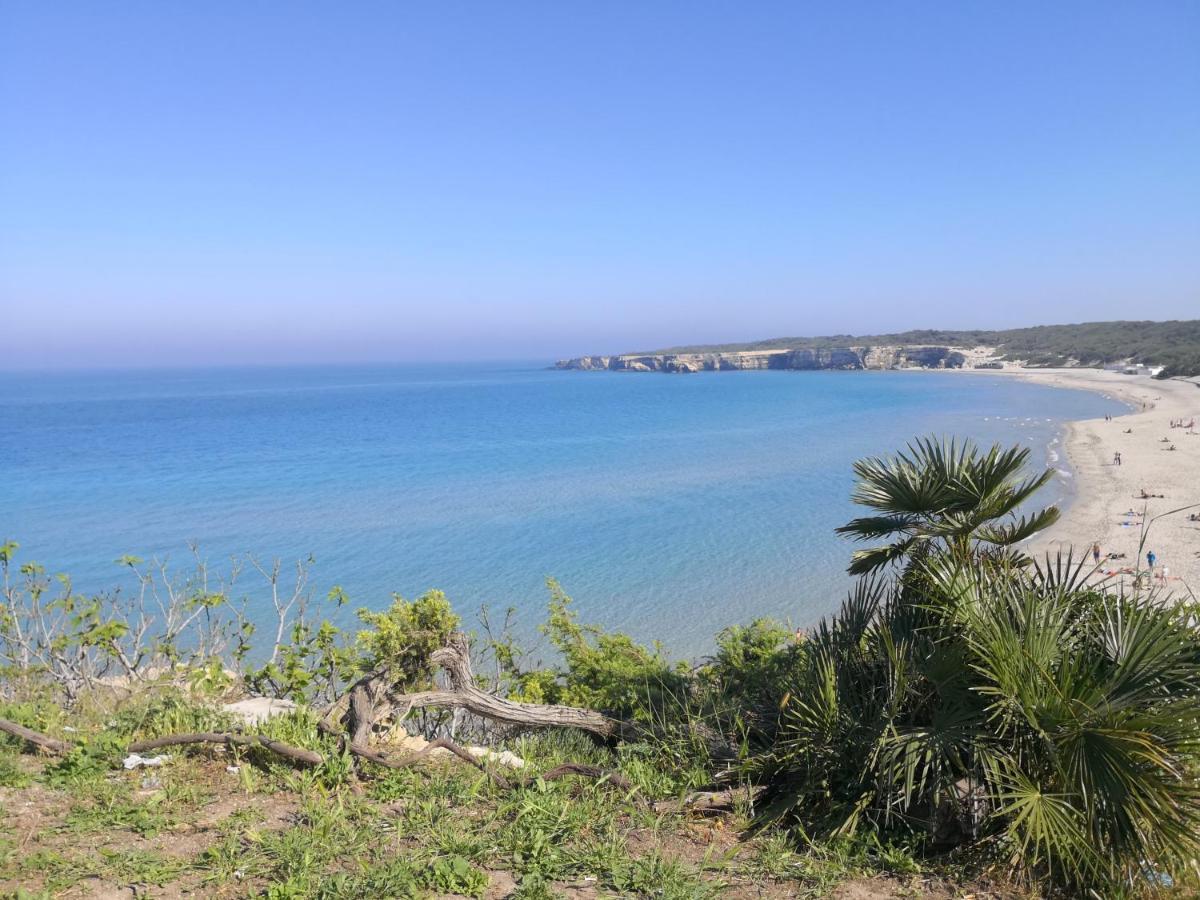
{"x":604,"y":670}
{"x":320,"y":659}
{"x":86,"y":761}
{"x":403,"y":637}
{"x":168,"y":711}
{"x":751,"y":660}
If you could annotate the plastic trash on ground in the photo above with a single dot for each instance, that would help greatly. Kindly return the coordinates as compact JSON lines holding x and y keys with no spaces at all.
{"x":133,"y":760}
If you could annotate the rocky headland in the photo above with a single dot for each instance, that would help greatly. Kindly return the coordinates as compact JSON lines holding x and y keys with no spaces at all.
{"x":808,"y":359}
{"x":1170,"y":349}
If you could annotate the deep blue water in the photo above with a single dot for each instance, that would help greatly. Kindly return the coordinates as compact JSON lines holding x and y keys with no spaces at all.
{"x":669,"y":506}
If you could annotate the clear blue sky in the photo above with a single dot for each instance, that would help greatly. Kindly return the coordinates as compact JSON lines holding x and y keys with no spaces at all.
{"x":229,"y":182}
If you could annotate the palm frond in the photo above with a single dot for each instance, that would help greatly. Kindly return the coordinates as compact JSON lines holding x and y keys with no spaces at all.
{"x":1019,"y":530}
{"x":869,"y":528}
{"x":864,"y":562}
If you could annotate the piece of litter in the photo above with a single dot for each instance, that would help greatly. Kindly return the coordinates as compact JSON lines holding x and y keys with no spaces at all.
{"x":233,"y":770}
{"x":70,"y":729}
{"x":132,"y":761}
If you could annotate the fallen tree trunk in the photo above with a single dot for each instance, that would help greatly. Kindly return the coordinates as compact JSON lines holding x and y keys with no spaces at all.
{"x":43,"y":741}
{"x":455,"y":660}
{"x":299,"y":754}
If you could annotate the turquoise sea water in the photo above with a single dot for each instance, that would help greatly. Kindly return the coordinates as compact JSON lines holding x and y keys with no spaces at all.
{"x":669,"y":506}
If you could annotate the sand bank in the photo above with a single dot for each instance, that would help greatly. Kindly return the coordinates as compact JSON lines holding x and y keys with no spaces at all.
{"x":1107,"y":492}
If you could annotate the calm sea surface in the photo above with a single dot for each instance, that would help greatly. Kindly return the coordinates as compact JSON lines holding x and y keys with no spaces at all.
{"x":668,"y":506}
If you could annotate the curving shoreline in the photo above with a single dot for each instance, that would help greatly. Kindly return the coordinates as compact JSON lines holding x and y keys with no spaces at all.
{"x":1104,"y":491}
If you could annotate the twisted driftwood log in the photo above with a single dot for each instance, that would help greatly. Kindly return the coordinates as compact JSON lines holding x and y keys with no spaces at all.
{"x":370,"y":699}
{"x":455,"y":660}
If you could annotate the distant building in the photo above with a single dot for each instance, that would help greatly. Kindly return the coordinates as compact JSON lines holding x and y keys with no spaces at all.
{"x":993,"y":364}
{"x":1136,"y":369}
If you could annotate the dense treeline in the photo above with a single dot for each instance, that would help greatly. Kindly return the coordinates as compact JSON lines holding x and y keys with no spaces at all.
{"x":1175,"y":344}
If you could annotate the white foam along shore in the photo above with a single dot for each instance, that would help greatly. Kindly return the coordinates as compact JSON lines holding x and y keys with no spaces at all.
{"x":1108,"y":507}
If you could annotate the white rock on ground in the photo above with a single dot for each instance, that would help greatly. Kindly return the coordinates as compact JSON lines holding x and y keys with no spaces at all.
{"x":256,"y":710}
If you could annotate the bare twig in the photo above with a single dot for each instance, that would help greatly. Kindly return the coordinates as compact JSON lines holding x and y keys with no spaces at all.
{"x":583,"y":770}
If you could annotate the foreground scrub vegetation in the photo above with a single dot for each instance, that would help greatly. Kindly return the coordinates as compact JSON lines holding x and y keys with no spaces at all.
{"x":971,"y":722}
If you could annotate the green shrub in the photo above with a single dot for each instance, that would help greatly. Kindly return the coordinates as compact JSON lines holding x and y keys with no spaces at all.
{"x":604,"y":670}
{"x":751,"y":660}
{"x":168,"y":711}
{"x":40,"y":716}
{"x":402,"y":637}
{"x":86,"y":761}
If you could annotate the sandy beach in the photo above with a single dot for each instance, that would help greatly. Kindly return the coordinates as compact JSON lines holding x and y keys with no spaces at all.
{"x":1107,"y":493}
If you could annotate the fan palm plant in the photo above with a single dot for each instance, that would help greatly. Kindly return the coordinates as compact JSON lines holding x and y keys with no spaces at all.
{"x":982,"y":698}
{"x":1057,"y":724}
{"x":947,"y":494}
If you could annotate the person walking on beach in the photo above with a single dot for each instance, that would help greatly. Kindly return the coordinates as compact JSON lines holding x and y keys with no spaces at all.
{"x":1096,"y":552}
{"x":1150,"y":558}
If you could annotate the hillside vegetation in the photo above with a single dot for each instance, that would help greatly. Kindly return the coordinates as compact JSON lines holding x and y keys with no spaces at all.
{"x":970,"y":722}
{"x":1175,"y":344}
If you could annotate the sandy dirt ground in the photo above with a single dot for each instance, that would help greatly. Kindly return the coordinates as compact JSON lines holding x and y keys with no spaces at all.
{"x":1155,"y":459}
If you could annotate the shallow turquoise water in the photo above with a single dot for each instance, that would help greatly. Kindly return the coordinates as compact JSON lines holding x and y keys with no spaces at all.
{"x":669,"y":506}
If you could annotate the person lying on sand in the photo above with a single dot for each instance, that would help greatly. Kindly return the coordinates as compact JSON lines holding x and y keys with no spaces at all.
{"x":1144,"y":496}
